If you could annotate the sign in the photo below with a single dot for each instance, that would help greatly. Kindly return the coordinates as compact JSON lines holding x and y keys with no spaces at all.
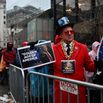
{"x":41,"y":54}
{"x":68,"y":66}
{"x":69,"y":87}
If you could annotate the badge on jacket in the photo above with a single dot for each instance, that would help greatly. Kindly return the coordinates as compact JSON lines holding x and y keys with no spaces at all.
{"x":67,"y":66}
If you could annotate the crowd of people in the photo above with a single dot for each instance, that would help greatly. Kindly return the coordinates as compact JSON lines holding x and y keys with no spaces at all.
{"x":65,"y":48}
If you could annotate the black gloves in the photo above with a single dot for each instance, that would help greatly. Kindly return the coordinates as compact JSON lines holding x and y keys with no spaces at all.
{"x":32,"y":44}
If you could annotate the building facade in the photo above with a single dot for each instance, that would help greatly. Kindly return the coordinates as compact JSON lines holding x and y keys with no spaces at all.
{"x":18,"y":14}
{"x":3,"y":29}
{"x":17,"y":19}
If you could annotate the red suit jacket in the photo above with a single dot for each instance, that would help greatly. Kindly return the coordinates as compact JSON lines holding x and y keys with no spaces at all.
{"x":83,"y":60}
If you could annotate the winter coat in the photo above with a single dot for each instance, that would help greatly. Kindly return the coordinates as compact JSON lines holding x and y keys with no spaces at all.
{"x":83,"y":60}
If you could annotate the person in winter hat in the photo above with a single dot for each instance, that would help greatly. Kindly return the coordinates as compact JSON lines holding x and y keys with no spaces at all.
{"x":67,"y":48}
{"x":93,"y":52}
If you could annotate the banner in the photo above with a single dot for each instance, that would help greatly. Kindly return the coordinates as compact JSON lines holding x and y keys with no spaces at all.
{"x":41,"y":54}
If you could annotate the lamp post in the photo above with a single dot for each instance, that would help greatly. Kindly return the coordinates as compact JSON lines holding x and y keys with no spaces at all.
{"x":12,"y":33}
{"x":77,"y":9}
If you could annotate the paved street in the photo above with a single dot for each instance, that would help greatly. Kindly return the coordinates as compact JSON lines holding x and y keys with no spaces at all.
{"x":4,"y":89}
{"x":5,"y":97}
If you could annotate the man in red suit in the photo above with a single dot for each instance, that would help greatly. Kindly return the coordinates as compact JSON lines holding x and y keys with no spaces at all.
{"x":75,"y":51}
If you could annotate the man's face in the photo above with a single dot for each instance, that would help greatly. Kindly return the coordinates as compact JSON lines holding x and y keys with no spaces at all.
{"x":9,"y":46}
{"x":67,"y":34}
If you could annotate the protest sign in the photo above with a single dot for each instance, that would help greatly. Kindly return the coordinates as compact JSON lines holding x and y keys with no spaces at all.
{"x":69,"y":87}
{"x":41,"y":54}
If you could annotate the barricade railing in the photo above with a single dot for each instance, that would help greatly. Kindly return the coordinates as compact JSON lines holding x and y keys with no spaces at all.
{"x":41,"y":89}
{"x":17,"y":83}
{"x":46,"y":93}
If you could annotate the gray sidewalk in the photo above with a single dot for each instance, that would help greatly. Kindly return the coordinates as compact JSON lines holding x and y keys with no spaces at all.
{"x":4,"y":89}
{"x":5,"y":97}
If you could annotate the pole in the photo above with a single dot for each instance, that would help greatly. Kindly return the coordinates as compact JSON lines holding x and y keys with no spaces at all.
{"x":77,"y":9}
{"x":64,"y":7}
{"x":54,"y":16}
{"x":12,"y":32}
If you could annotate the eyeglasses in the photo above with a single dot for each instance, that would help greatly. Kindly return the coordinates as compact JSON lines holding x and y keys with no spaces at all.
{"x":69,"y":32}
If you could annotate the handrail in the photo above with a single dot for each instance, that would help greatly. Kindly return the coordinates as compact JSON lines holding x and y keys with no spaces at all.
{"x":69,"y":80}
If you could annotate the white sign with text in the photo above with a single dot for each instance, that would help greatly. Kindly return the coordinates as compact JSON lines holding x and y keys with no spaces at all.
{"x":69,"y":87}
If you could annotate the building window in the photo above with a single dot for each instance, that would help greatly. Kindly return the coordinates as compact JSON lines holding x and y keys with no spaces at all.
{"x":4,"y":17}
{"x":4,"y":22}
{"x":4,"y":11}
{"x":9,"y":21}
{"x":4,"y":44}
{"x":4,"y":6}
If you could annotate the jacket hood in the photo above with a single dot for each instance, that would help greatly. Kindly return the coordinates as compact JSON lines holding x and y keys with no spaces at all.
{"x":95,"y":45}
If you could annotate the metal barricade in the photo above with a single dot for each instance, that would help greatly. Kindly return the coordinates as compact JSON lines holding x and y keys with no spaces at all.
{"x":43,"y":89}
{"x":50,"y":98}
{"x":17,"y":83}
